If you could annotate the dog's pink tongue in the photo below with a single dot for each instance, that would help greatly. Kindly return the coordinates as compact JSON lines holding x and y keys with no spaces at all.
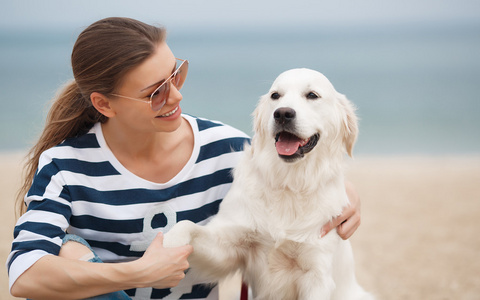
{"x":287,"y":144}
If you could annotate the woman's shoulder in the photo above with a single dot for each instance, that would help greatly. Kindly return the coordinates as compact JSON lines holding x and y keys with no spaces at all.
{"x":215,"y":139}
{"x":84,"y":147}
{"x":215,"y":128}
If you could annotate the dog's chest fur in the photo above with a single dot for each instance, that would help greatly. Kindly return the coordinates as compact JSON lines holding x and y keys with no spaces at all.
{"x":283,"y":262}
{"x":286,"y":211}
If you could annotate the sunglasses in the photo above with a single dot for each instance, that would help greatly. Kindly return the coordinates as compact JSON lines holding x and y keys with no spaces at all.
{"x":160,"y":95}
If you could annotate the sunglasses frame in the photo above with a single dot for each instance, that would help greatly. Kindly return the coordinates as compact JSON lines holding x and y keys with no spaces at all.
{"x":165,"y":85}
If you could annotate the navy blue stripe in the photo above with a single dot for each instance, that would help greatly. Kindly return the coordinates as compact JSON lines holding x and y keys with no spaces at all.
{"x":103,"y":168}
{"x":159,"y":294}
{"x":119,"y":197}
{"x":106,"y":225}
{"x":205,"y":124}
{"x":136,"y":225}
{"x":49,"y":205}
{"x":42,"y":179}
{"x":45,"y":245}
{"x":117,"y":248}
{"x":88,"y":140}
{"x":26,"y":246}
{"x":135,"y":196}
{"x":203,"y":183}
{"x":200,"y":214}
{"x":218,"y":148}
{"x":198,"y":291}
{"x":44,"y":229}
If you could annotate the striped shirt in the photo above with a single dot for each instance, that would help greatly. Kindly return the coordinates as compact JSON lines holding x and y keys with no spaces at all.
{"x":81,"y":188}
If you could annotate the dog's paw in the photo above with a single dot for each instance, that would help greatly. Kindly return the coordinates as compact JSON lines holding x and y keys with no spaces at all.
{"x":180,"y":234}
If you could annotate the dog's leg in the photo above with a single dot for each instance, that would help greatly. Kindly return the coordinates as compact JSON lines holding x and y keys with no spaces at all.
{"x":347,"y":286}
{"x":317,"y":282}
{"x":218,"y":250}
{"x":315,"y":285}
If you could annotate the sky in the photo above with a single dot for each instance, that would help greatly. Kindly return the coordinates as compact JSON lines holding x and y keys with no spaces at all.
{"x":48,"y":14}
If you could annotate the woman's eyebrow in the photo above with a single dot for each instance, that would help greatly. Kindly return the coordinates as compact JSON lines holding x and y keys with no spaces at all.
{"x":161,"y":81}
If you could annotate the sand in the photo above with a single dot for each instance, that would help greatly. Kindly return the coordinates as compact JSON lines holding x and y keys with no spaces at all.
{"x":418,"y":238}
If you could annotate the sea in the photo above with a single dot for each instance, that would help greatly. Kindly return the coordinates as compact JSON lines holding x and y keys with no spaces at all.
{"x":416,"y":88}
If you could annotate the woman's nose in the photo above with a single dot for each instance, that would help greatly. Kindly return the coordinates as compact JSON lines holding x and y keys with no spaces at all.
{"x":174,"y":95}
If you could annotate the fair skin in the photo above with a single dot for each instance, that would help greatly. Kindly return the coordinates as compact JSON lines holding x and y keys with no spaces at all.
{"x":154,"y":147}
{"x":349,"y":221}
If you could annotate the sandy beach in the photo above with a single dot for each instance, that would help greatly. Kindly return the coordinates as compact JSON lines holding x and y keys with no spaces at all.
{"x":419,"y":233}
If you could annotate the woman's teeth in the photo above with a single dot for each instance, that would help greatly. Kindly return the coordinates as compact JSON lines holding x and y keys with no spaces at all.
{"x":170,"y":113}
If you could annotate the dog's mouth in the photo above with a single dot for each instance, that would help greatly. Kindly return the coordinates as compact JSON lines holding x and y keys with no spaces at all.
{"x":290,"y":147}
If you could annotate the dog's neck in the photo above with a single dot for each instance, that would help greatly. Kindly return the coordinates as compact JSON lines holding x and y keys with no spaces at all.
{"x":290,"y":192}
{"x":308,"y":197}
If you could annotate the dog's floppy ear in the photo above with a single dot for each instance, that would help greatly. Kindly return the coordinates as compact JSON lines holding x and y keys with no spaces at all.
{"x":350,"y":123}
{"x":259,"y":121}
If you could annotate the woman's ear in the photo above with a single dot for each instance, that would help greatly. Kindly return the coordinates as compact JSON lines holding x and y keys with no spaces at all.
{"x":102,"y":104}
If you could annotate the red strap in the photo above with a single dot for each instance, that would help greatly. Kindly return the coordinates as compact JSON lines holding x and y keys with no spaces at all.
{"x":244,"y":292}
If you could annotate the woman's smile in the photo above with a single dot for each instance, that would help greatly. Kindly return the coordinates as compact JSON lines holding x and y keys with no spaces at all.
{"x":170,"y":113}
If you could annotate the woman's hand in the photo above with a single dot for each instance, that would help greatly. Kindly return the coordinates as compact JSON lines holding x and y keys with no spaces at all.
{"x":54,"y":277}
{"x":161,"y":267}
{"x":348,"y":222}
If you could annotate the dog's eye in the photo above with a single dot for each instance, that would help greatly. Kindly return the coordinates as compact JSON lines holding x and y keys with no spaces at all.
{"x":312,"y":96}
{"x":275,"y":96}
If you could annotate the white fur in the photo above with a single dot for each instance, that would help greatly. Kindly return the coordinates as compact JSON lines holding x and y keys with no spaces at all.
{"x":269,"y":224}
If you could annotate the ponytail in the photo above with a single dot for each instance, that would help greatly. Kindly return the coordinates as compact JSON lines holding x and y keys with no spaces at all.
{"x":70,"y":115}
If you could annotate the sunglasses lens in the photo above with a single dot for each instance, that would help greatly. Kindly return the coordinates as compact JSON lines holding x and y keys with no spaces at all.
{"x":181,"y":75}
{"x":159,"y":97}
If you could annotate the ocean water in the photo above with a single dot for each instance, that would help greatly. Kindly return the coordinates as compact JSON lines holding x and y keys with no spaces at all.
{"x":417,"y":89}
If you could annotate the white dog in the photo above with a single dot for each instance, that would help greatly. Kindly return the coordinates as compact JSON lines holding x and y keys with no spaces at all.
{"x":289,"y":184}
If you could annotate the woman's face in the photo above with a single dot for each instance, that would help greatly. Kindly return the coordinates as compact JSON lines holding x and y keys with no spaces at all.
{"x":140,"y":83}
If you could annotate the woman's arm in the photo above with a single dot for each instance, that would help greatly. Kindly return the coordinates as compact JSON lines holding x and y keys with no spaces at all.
{"x":53,"y":277}
{"x":349,"y":221}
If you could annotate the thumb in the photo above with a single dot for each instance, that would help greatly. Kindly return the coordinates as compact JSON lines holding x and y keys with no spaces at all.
{"x":327,"y":228}
{"x":158,"y":240}
{"x":331,"y":225}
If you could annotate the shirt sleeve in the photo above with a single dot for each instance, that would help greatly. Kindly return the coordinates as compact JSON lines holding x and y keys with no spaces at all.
{"x":40,"y":230}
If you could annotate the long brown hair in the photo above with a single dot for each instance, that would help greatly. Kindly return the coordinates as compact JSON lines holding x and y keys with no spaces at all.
{"x":103,"y":53}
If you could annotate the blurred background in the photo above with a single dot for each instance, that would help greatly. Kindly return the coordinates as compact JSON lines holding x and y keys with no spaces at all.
{"x":411,"y":67}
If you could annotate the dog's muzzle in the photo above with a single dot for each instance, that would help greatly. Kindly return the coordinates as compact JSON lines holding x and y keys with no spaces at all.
{"x":291,"y":147}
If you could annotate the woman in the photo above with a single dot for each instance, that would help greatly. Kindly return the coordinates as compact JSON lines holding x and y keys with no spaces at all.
{"x":117,"y":164}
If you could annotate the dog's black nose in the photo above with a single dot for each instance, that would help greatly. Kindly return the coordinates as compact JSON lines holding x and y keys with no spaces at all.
{"x":284,"y":115}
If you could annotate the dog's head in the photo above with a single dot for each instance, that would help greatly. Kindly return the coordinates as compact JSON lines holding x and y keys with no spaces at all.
{"x":303,"y":112}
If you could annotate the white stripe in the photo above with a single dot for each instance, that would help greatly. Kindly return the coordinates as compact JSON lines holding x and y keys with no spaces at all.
{"x":67,"y":152}
{"x":219,"y":133}
{"x":22,"y":263}
{"x":139,"y":210}
{"x":44,"y":217}
{"x":27,"y":236}
{"x":116,"y":182}
{"x":224,"y":161}
{"x":42,"y":197}
{"x":102,"y":236}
